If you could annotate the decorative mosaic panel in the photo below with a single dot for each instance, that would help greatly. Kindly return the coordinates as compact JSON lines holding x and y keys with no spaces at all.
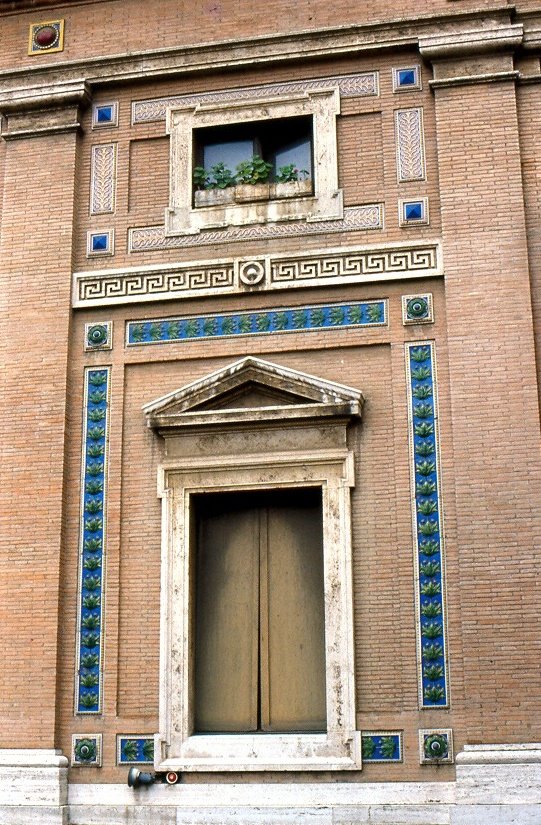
{"x":417,"y":309}
{"x":261,"y":322}
{"x":103,"y":179}
{"x":105,"y":115}
{"x":435,"y":746}
{"x":92,"y":540}
{"x":427,"y":524}
{"x":410,"y":144}
{"x":407,"y":79}
{"x":271,"y":272}
{"x":413,"y":212}
{"x":46,"y":37}
{"x":356,"y":218}
{"x":86,"y":749}
{"x":134,"y":750}
{"x":98,"y":336}
{"x":355,"y":85}
{"x":382,"y":746}
{"x":101,"y":243}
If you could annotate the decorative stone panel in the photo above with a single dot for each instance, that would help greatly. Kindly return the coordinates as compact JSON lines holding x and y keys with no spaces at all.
{"x":410,"y":151}
{"x":103,"y":179}
{"x":86,"y":750}
{"x":381,"y":746}
{"x":98,"y":336}
{"x":354,"y":85}
{"x":134,"y":750}
{"x":417,"y":309}
{"x":427,"y":524}
{"x":88,"y":691}
{"x":281,"y":271}
{"x":259,"y":322}
{"x":435,"y":746}
{"x":355,"y":219}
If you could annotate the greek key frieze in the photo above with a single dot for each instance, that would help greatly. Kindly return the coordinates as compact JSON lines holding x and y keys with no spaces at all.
{"x":357,"y":85}
{"x":269,"y":272}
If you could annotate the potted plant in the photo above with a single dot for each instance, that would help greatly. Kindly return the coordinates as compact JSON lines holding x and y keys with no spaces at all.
{"x":291,"y":182}
{"x":252,"y":180}
{"x":213,"y":187}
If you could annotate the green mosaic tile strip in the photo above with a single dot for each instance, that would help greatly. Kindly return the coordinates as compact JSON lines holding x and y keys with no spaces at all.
{"x":259,"y":322}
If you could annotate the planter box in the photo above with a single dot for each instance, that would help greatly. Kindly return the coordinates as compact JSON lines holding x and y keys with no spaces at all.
{"x":214,"y":197}
{"x":249,"y":192}
{"x":293,"y":189}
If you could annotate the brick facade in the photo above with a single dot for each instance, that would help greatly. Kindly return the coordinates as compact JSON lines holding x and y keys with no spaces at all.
{"x":461,"y":143}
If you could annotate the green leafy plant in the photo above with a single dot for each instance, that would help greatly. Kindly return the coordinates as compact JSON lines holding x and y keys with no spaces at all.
{"x":94,"y":468}
{"x":90,"y":640}
{"x":433,"y":672}
{"x":89,"y":700}
{"x":290,"y":174}
{"x":129,"y":750}
{"x":432,"y":630}
{"x":429,"y":547}
{"x":138,"y":332}
{"x":374,"y":313}
{"x":228,"y":325}
{"x":94,"y":486}
{"x":337,"y":315}
{"x":93,"y":525}
{"x":424,"y":448}
{"x":426,"y":488}
{"x":253,"y":171}
{"x":430,"y":568}
{"x":191,"y":329}
{"x":430,"y":589}
{"x":93,"y":545}
{"x":95,"y":450}
{"x":263,"y":322}
{"x":423,"y":410}
{"x":97,"y":415}
{"x":92,"y":563}
{"x":93,"y":506}
{"x":368,"y":747}
{"x":355,"y":314}
{"x":89,"y":680}
{"x":220,"y":177}
{"x":422,"y":391}
{"x":420,"y":373}
{"x":424,"y":468}
{"x":148,"y":749}
{"x":97,"y":396}
{"x":428,"y":527}
{"x":430,"y":610}
{"x":423,"y":429}
{"x":90,"y":622}
{"x":210,"y":326}
{"x":91,"y":583}
{"x":91,"y":602}
{"x":281,"y":320}
{"x":300,"y":318}
{"x":317,"y":317}
{"x":90,"y":660}
{"x":155,"y":332}
{"x":434,"y":693}
{"x":173,"y":329}
{"x":97,"y":379}
{"x":426,"y":508}
{"x":420,"y":354}
{"x":245,"y":324}
{"x":95,"y":433}
{"x":388,"y":746}
{"x":201,"y":178}
{"x":432,"y":652}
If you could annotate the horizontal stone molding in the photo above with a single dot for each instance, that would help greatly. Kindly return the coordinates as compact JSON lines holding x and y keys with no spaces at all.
{"x":353,"y":85}
{"x":266,"y":272}
{"x":500,"y":754}
{"x":472,"y":42}
{"x":32,"y":111}
{"x":355,"y":219}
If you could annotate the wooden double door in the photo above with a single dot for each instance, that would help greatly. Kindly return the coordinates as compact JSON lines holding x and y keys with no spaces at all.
{"x":259,"y":637}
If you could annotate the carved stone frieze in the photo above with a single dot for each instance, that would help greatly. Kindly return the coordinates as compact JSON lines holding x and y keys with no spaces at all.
{"x":410,"y":153}
{"x":269,"y":272}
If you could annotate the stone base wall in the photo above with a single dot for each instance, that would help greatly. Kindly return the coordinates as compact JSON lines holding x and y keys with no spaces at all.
{"x":495,"y":785}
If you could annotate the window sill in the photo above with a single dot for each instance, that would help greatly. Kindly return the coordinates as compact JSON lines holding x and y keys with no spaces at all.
{"x":264,"y":752}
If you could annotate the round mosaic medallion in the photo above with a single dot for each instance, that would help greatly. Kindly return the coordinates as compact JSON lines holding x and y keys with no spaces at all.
{"x":46,"y":36}
{"x":417,"y":308}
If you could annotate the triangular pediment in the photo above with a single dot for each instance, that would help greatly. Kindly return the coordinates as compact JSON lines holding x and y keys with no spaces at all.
{"x":252,"y":389}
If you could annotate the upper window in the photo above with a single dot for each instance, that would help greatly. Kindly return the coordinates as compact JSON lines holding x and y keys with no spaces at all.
{"x":220,"y":152}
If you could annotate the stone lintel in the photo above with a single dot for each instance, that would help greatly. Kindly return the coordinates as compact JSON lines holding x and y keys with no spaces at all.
{"x":39,"y":110}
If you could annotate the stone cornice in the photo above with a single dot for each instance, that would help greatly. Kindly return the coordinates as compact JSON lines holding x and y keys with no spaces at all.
{"x":256,"y":51}
{"x":471,"y":42}
{"x":33,"y":111}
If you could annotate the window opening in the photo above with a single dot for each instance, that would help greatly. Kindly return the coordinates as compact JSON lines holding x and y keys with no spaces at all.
{"x":258,"y":584}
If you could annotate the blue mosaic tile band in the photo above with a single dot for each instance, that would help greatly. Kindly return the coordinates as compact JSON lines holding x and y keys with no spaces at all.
{"x":381,"y":747}
{"x":92,"y":540}
{"x":133,"y":750}
{"x":260,"y":322}
{"x":428,"y":528}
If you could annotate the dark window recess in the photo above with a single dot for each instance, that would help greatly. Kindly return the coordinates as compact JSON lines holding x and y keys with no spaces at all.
{"x":281,"y":142}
